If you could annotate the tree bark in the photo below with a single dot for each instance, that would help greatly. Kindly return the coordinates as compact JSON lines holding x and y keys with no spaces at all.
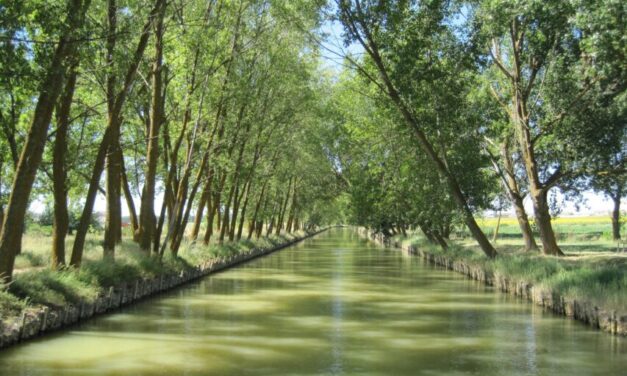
{"x":516,"y":198}
{"x":240,"y":228}
{"x":497,"y":228}
{"x":130,"y":203}
{"x":205,"y":198}
{"x":257,"y":207}
{"x":283,"y":208}
{"x":616,"y":215}
{"x":147,"y":224}
{"x":59,"y":174}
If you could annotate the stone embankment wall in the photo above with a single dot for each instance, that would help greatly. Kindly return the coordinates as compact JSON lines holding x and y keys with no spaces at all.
{"x":586,"y":312}
{"x":40,"y":320}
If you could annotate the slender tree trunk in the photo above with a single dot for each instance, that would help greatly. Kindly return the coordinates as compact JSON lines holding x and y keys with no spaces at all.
{"x":257,"y":207}
{"x":113,"y":219}
{"x":283,"y":208}
{"x":538,"y":191}
{"x":147,"y":225}
{"x":30,"y":159}
{"x":215,"y":210}
{"x":616,"y":215}
{"x":59,"y":174}
{"x":234,"y":210}
{"x":290,"y":220}
{"x":130,"y":203}
{"x":259,"y":229}
{"x":92,"y":191}
{"x":496,"y":229}
{"x":211,"y":210}
{"x":205,"y":199}
{"x":180,"y":233}
{"x":225,"y":216}
{"x":440,"y":240}
{"x":270,"y":226}
{"x":513,"y":192}
{"x":243,"y":214}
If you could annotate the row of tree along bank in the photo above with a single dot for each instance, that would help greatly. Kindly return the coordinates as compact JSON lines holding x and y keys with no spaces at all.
{"x":105,"y":286}
{"x":207,"y":104}
{"x":454,"y":108}
{"x":583,"y":291}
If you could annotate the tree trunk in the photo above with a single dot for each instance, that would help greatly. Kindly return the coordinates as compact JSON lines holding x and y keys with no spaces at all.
{"x":113,"y":219}
{"x":290,"y":219}
{"x":147,"y":225}
{"x":516,"y":198}
{"x":259,"y":229}
{"x":227,"y":208}
{"x":496,"y":229}
{"x":205,"y":199}
{"x":283,"y":208}
{"x":616,"y":215}
{"x":11,"y":235}
{"x":440,"y":240}
{"x":130,"y":203}
{"x":215,"y":209}
{"x":257,"y":207}
{"x":210,"y":215}
{"x":88,"y":208}
{"x":543,"y":221}
{"x":243,"y":214}
{"x":59,"y":174}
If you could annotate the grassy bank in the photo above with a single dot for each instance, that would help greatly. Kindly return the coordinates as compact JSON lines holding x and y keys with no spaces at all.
{"x":35,"y":284}
{"x":592,"y":270}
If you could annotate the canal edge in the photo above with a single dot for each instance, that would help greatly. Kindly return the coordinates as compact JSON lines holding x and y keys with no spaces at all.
{"x":41,"y":320}
{"x":609,"y":321}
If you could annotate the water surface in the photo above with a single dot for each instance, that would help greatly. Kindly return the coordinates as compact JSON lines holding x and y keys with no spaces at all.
{"x":331,"y":305}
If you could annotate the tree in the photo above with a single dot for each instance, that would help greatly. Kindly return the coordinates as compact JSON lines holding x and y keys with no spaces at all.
{"x":546,"y":78}
{"x":377,"y":26}
{"x":11,"y":235}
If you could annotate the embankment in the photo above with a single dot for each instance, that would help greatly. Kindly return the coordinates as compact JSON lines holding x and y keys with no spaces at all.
{"x":609,"y":321}
{"x":38,"y":320}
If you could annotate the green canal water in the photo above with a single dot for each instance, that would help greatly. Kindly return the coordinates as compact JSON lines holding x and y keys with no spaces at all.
{"x":331,"y":305}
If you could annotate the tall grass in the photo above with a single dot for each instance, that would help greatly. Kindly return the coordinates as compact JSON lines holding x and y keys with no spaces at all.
{"x":598,"y":279}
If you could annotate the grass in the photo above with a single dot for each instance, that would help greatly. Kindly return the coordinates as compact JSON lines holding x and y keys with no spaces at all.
{"x":35,"y":284}
{"x":592,"y":270}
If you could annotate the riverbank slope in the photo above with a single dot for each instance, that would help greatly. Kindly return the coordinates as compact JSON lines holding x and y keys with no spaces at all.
{"x":591,"y":293}
{"x":41,"y":301}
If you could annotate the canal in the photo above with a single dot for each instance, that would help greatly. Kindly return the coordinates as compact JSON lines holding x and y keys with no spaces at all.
{"x":332,"y":305}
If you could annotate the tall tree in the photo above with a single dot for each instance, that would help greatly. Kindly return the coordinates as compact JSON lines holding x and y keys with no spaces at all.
{"x":366,"y":23}
{"x":30,"y":158}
